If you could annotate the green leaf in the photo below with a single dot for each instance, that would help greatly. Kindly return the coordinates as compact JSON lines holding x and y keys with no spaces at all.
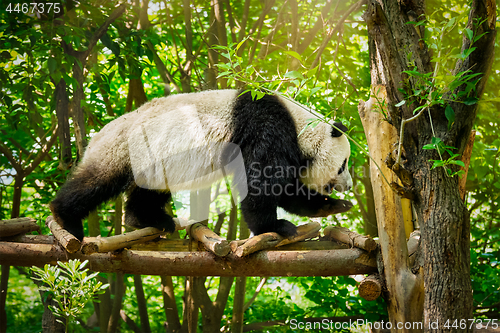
{"x":294,"y":75}
{"x":312,"y":72}
{"x":52,"y":64}
{"x":479,"y":37}
{"x":400,"y":103}
{"x":457,"y":162}
{"x":314,"y":90}
{"x":241,"y":43}
{"x":450,"y":23}
{"x":437,"y":164}
{"x":413,"y":73}
{"x":470,"y":34}
{"x":294,"y":54}
{"x":429,"y":146}
{"x":471,"y":100}
{"x":467,"y":52}
{"x":419,"y":108}
{"x":435,"y":141}
{"x":450,"y":115}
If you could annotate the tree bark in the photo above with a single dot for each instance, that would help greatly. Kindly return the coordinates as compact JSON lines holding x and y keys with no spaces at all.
{"x":441,"y":213}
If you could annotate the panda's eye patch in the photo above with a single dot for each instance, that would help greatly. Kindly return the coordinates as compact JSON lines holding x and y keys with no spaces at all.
{"x":342,"y":168}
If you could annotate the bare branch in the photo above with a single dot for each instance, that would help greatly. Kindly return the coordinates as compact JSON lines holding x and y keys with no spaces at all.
{"x":255,"y":294}
{"x":102,"y":30}
{"x":43,"y":152}
{"x":333,"y":31}
{"x":10,"y":157}
{"x":317,"y":26}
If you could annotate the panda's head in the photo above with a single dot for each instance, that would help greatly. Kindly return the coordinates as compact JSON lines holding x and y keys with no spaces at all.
{"x":329,"y":169}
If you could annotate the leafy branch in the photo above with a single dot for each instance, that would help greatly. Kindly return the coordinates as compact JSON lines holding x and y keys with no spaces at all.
{"x":436,"y":89}
{"x":70,"y":286}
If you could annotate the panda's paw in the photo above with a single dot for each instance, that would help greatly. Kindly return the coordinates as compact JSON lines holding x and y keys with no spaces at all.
{"x":286,"y":228}
{"x":159,"y":220}
{"x":334,"y":206}
{"x":167,"y":225}
{"x":75,"y":230}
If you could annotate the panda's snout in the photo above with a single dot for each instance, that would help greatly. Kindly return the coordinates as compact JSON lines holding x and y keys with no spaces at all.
{"x":337,"y":187}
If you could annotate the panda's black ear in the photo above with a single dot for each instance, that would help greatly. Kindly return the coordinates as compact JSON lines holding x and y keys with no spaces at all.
{"x":335,"y":132}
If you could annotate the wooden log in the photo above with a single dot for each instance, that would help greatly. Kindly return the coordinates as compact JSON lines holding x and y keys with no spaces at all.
{"x":264,"y":263}
{"x":304,"y":231}
{"x":257,"y":243}
{"x":272,"y":239}
{"x":235,"y":243}
{"x":346,"y":236}
{"x":184,"y":245}
{"x":371,"y":287}
{"x":67,"y":240}
{"x":32,"y":239}
{"x":107,"y":244}
{"x":20,"y":225}
{"x":213,"y":242}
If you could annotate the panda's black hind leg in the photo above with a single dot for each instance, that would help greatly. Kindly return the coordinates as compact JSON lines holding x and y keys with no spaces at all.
{"x":146,"y":208}
{"x":84,"y":192}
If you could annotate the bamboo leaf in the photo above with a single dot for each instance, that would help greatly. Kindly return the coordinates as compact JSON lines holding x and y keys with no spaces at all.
{"x":470,"y":34}
{"x":450,"y":115}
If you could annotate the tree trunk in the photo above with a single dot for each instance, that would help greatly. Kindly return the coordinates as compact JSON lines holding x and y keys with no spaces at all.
{"x":142,"y":304}
{"x":441,"y":213}
{"x":240,"y":290}
{"x":4,"y":284}
{"x":62,"y":113}
{"x":173,"y":323}
{"x":78,"y":116}
{"x":4,"y":280}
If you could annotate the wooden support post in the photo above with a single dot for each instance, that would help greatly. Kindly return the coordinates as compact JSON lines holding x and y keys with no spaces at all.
{"x":346,"y":236}
{"x":20,"y":225}
{"x":67,"y":240}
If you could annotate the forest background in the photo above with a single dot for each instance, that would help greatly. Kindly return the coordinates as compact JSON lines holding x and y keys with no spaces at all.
{"x":65,"y":74}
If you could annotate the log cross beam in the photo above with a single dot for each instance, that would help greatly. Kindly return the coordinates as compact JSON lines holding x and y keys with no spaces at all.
{"x":276,"y":262}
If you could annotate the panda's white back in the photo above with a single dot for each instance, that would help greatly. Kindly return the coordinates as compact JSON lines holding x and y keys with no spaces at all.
{"x":170,"y":143}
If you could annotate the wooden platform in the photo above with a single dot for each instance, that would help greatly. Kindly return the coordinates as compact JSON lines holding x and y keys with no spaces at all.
{"x":187,"y":258}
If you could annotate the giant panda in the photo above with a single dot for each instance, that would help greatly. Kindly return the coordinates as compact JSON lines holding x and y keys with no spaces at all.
{"x":176,"y":142}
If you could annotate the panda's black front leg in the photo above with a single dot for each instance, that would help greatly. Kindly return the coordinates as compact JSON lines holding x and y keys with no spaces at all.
{"x":146,"y":208}
{"x":260,"y":215}
{"x":300,"y":200}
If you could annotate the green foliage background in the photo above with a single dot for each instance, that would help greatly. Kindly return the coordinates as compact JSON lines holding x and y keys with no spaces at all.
{"x":32,"y":61}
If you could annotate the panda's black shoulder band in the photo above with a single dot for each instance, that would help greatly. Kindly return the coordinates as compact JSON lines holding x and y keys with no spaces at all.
{"x":335,"y":130}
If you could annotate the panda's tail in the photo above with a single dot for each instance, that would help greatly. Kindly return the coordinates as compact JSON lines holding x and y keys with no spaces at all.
{"x":83,"y":193}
